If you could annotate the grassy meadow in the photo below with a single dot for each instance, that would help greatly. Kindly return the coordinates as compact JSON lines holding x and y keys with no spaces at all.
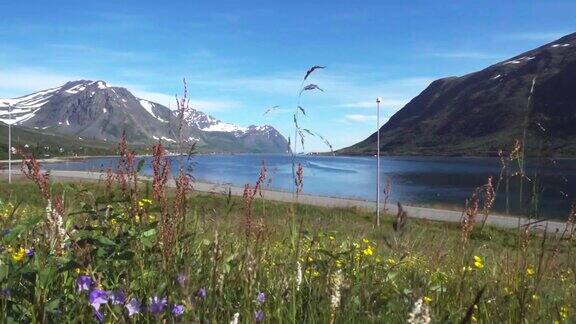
{"x":127,"y":251}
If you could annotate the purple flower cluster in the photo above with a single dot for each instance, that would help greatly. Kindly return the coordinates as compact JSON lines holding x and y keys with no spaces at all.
{"x":133,"y":306}
{"x":201,"y":293}
{"x":259,"y":316}
{"x":30,"y":252}
{"x":178,"y":310}
{"x":260,"y":300}
{"x":84,"y":283}
{"x":5,"y":293}
{"x":98,"y":297}
{"x":157,"y":305}
{"x":117,"y":297}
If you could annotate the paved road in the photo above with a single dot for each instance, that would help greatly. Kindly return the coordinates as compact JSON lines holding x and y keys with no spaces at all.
{"x":412,"y":211}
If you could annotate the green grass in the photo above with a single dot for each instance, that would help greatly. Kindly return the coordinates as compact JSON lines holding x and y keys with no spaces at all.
{"x":375,"y":274}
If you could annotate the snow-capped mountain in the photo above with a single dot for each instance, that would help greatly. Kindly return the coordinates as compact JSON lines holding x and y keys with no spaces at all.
{"x":95,"y":110}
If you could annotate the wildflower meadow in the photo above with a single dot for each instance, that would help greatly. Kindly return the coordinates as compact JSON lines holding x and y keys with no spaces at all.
{"x":133,"y":250}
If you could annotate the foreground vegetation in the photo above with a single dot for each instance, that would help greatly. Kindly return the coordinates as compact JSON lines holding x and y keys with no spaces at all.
{"x":121,"y":252}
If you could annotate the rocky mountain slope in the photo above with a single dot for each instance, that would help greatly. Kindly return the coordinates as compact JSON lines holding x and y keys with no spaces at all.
{"x":94,"y":110}
{"x":482,"y":112}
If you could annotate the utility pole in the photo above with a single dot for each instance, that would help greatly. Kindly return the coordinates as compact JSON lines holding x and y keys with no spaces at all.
{"x":9,"y":144}
{"x":378,"y":100}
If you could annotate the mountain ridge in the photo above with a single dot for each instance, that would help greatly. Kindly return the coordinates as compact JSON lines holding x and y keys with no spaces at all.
{"x":482,"y":112}
{"x":95,"y":110}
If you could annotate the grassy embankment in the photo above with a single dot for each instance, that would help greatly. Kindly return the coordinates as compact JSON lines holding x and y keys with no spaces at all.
{"x":215,"y":255}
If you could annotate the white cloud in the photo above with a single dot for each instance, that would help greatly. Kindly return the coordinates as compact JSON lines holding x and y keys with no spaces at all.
{"x":357,"y":118}
{"x":384,"y":103}
{"x":21,"y":81}
{"x":342,"y":90}
{"x":205,"y":105}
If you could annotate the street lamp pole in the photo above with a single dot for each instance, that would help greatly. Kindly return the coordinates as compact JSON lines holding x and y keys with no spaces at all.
{"x":9,"y":144}
{"x":378,"y":100}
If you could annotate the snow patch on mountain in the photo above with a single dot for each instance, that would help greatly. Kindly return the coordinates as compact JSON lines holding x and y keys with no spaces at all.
{"x":164,"y":138}
{"x":224,"y":127}
{"x":148,"y":106}
{"x":17,"y":110}
{"x":522,"y":59}
{"x":77,"y":88}
{"x":101,"y":85}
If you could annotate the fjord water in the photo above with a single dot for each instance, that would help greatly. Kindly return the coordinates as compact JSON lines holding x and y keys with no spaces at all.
{"x":444,"y":182}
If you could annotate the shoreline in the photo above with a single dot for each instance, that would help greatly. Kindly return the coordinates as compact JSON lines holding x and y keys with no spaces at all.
{"x":311,"y":154}
{"x":425,"y":213}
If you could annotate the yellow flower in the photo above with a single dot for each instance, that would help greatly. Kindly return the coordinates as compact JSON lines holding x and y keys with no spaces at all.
{"x":18,"y":256}
{"x":113,"y":221}
{"x":338,"y":263}
{"x":355,"y":245}
{"x":313,"y":273}
{"x":365,"y":241}
{"x":535,"y":297}
{"x":564,"y":312}
{"x":144,"y":201}
{"x":478,"y":262}
{"x":391,"y":262}
{"x":368,"y":251}
{"x":332,"y":238}
{"x":530,"y":271}
{"x":427,"y":299}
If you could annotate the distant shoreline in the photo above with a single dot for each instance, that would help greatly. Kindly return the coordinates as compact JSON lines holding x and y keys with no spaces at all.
{"x":433,"y":214}
{"x":84,"y":157}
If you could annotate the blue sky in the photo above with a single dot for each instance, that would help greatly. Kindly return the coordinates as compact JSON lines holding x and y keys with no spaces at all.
{"x":241,"y":57}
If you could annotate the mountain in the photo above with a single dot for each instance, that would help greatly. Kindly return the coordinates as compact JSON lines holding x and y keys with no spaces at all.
{"x":482,"y":112}
{"x":94,"y":110}
{"x":46,"y":144}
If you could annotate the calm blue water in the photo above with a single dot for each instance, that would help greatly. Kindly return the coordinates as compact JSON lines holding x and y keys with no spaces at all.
{"x":436,"y":181}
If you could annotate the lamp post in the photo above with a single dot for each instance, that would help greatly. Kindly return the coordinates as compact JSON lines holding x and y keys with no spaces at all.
{"x":9,"y":144}
{"x":378,"y":100}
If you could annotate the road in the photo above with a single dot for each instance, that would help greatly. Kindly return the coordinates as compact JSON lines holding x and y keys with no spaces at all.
{"x":412,"y":211}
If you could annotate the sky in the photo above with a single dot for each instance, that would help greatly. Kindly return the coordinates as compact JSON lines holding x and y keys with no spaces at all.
{"x":242,"y":57}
